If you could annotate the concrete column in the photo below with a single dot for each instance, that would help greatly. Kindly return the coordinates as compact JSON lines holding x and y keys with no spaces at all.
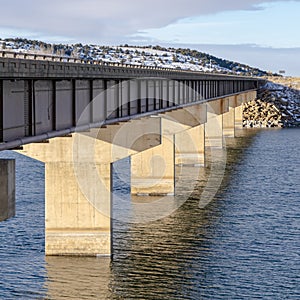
{"x":7,"y":189}
{"x":229,"y":118}
{"x":153,"y":171}
{"x":78,"y":183}
{"x":229,"y":123}
{"x":214,"y":130}
{"x":250,"y":96}
{"x":77,"y":194}
{"x":190,"y":147}
{"x":76,"y":223}
{"x":238,"y":116}
{"x":189,"y":135}
{"x":240,"y":100}
{"x":214,"y":125}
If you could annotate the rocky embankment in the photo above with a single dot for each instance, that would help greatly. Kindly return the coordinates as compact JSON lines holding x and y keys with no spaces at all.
{"x":277,"y":105}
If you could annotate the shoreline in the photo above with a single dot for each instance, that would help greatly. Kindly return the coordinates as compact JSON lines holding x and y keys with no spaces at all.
{"x":277,"y":105}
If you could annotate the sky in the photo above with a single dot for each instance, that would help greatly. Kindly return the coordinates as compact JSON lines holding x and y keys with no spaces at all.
{"x":260,"y":33}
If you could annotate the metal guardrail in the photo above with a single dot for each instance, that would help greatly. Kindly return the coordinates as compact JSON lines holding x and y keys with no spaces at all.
{"x":68,"y":59}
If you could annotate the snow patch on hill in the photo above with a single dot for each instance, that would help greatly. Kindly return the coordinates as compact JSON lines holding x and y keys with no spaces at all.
{"x":151,"y":56}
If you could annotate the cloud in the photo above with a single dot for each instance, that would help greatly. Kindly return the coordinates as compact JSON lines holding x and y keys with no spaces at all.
{"x":119,"y":21}
{"x":111,"y":21}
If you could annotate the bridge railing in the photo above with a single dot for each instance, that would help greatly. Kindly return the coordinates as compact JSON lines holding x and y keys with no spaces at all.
{"x":69,"y":59}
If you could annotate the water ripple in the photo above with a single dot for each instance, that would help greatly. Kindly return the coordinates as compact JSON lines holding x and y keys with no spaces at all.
{"x":244,"y":245}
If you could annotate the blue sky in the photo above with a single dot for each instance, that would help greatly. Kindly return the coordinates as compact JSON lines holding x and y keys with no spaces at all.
{"x":271,"y":25}
{"x":261,"y":33}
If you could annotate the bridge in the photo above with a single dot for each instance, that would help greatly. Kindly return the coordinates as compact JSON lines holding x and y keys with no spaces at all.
{"x":79,"y":118}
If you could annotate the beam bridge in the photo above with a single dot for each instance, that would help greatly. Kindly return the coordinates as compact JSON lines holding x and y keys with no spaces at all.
{"x":81,"y":118}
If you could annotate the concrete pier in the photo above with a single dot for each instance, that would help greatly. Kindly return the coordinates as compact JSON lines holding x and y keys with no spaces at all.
{"x":78,"y":183}
{"x":189,"y":140}
{"x":241,"y":99}
{"x":190,"y":147}
{"x":214,"y":126}
{"x":153,"y":171}
{"x":77,"y":222}
{"x":238,"y":114}
{"x":229,"y":118}
{"x":7,"y":189}
{"x":79,"y":168}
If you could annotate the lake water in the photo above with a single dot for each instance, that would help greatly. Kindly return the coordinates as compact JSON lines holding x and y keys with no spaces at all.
{"x":245,"y":244}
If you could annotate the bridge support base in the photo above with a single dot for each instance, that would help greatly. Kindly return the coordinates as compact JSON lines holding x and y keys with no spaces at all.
{"x":78,"y":195}
{"x":77,"y":221}
{"x":7,"y":189}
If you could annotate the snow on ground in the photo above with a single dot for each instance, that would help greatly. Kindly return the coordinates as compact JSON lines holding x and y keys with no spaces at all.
{"x":125,"y":55}
{"x":286,"y":99}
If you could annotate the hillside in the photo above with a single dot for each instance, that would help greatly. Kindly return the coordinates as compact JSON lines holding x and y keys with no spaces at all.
{"x":154,"y":56}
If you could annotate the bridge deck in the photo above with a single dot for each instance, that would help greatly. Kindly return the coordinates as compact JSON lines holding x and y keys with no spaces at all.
{"x":42,"y":98}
